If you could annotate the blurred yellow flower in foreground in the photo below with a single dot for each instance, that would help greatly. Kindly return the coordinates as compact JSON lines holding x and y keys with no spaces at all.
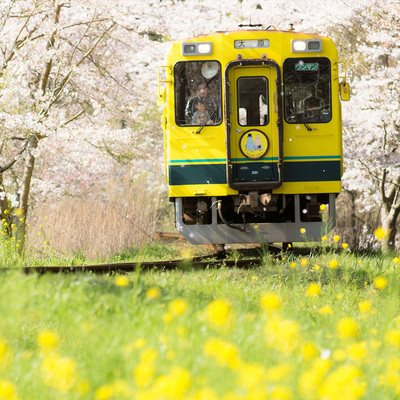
{"x":47,"y":340}
{"x":380,"y":283}
{"x":282,"y":334}
{"x":153,"y":293}
{"x":224,"y":353}
{"x":364,"y":306}
{"x":270,"y":301}
{"x":5,"y":356}
{"x":250,"y":375}
{"x":59,"y":372}
{"x":219,"y":314}
{"x":336,"y":238}
{"x":381,"y":233}
{"x":346,"y":382}
{"x":333,"y":264}
{"x":392,"y":338}
{"x":326,"y":310}
{"x":178,"y":306}
{"x":347,"y":328}
{"x":173,"y":385}
{"x":304,"y":262}
{"x":121,"y":280}
{"x":313,"y":290}
{"x":7,"y":390}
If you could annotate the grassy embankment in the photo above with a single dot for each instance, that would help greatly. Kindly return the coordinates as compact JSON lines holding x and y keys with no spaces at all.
{"x":325,"y":326}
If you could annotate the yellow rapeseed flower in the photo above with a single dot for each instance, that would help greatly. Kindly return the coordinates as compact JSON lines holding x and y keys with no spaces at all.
{"x":346,"y":382}
{"x":347,"y":328}
{"x":174,"y":384}
{"x":336,"y":238}
{"x":309,"y":351}
{"x":392,"y":338}
{"x":303,"y":231}
{"x":357,"y":351}
{"x":178,"y":307}
{"x":121,"y":280}
{"x":47,"y":340}
{"x":143,"y":374}
{"x":380,"y":283}
{"x":270,"y":301}
{"x":333,"y":264}
{"x":282,"y":335}
{"x":5,"y":356}
{"x":250,"y":375}
{"x":153,"y":293}
{"x":381,"y":233}
{"x":219,"y":314}
{"x":322,"y":207}
{"x":396,"y":260}
{"x":224,"y":353}
{"x":313,"y":290}
{"x":345,"y":245}
{"x":304,"y":262}
{"x":326,"y":310}
{"x":364,"y":306}
{"x":7,"y":390}
{"x":310,"y":380}
{"x":59,"y":372}
{"x":292,"y":265}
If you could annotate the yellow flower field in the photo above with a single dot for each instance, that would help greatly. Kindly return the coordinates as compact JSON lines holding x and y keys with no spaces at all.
{"x":282,"y":331}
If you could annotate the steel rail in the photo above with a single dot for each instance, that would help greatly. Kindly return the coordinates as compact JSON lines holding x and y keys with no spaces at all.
{"x":184,"y":264}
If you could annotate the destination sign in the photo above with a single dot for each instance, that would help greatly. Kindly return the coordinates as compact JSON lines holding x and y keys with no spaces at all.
{"x":251,"y":44}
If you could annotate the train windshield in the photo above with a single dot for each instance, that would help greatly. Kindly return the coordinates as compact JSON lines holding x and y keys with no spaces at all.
{"x":307,"y":83}
{"x":198,"y":93}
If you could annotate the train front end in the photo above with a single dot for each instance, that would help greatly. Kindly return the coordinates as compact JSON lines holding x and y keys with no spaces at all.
{"x":252,"y":131}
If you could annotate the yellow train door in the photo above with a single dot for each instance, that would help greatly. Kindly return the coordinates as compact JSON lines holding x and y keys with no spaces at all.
{"x":254,"y":125}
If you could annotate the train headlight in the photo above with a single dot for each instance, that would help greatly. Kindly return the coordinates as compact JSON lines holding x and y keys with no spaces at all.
{"x":299,"y":45}
{"x":196,"y":49}
{"x":204,"y":48}
{"x":306,"y":45}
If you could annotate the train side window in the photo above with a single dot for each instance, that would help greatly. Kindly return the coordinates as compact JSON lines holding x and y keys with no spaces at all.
{"x":252,"y":93}
{"x":198,"y":93}
{"x":307,"y":83}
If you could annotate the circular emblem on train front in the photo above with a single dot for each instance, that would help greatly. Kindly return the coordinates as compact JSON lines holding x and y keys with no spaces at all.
{"x":254,"y":144}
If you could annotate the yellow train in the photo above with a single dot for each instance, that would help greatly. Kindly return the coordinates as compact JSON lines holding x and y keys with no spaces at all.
{"x":253,"y":135}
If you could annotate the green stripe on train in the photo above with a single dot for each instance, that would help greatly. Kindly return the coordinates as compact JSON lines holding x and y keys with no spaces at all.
{"x":294,"y":171}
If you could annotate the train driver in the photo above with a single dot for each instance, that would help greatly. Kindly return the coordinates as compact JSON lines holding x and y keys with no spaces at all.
{"x":202,"y":96}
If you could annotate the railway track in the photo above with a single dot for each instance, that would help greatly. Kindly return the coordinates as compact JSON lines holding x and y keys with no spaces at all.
{"x":252,"y":257}
{"x":114,"y":268}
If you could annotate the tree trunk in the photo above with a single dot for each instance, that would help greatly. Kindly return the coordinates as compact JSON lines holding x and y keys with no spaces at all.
{"x":20,"y":217}
{"x":389,"y":217}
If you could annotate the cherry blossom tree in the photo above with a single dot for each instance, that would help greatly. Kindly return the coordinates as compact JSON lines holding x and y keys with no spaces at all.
{"x":372,"y":134}
{"x":78,"y":90}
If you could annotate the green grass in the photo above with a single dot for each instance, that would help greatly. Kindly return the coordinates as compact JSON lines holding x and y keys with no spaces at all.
{"x":211,"y":334}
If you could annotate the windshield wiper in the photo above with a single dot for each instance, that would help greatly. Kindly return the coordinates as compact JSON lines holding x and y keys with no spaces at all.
{"x":205,"y":123}
{"x":299,"y":118}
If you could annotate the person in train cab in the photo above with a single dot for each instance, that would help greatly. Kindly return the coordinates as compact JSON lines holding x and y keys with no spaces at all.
{"x":202,"y":95}
{"x":201,"y":116}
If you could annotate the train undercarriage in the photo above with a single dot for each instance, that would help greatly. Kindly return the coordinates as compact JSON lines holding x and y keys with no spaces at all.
{"x":254,"y":217}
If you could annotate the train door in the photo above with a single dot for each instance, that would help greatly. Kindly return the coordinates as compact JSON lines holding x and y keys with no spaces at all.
{"x":254,"y":137}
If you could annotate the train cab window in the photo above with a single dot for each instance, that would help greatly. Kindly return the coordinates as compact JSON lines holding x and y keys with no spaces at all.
{"x":307,"y":83}
{"x":198,"y":93}
{"x":252,"y":93}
